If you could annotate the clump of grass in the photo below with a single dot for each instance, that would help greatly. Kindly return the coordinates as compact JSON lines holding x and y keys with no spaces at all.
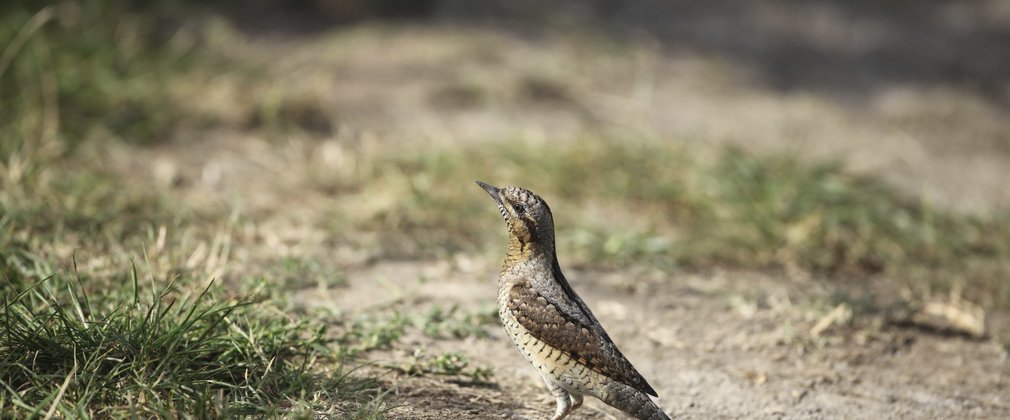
{"x":621,"y":203}
{"x":167,"y":353}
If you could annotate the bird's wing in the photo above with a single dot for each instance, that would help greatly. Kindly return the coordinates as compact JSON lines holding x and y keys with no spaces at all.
{"x":553,"y":323}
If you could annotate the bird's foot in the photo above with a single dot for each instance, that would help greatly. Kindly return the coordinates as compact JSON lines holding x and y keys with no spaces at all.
{"x":564,"y":404}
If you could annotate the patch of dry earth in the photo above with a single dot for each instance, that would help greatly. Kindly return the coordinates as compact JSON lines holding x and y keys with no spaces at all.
{"x":714,"y":345}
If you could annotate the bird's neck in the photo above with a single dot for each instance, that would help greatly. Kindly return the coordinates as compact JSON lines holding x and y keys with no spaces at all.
{"x":529,"y":252}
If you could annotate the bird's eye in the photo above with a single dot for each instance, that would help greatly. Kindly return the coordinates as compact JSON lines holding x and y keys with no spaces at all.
{"x":519,"y":208}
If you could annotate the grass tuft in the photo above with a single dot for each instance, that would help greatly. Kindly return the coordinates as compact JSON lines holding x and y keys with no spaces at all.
{"x":164,"y":353}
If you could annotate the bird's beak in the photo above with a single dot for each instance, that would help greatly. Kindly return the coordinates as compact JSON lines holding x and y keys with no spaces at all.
{"x":492,"y":191}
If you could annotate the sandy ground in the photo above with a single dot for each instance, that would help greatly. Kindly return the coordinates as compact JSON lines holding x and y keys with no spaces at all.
{"x":714,"y":345}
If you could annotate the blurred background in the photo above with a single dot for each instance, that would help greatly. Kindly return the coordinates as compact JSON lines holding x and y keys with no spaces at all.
{"x":820,"y":174}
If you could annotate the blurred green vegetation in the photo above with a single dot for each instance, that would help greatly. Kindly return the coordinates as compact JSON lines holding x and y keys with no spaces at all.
{"x":621,"y":202}
{"x":73,"y":67}
{"x":70,"y":69}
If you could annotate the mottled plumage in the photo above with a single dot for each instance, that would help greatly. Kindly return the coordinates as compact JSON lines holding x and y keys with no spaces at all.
{"x":550,"y":325}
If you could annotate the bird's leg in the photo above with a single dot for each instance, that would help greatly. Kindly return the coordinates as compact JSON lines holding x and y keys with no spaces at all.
{"x":576,"y":402}
{"x":564,"y":403}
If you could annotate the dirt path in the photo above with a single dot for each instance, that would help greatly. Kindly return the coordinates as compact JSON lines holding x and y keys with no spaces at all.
{"x":718,"y":345}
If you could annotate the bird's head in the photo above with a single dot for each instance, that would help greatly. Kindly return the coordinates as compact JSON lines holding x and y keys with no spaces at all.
{"x":527,"y":216}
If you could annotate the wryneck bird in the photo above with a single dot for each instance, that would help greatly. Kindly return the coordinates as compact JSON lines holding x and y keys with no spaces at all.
{"x":551,"y":325}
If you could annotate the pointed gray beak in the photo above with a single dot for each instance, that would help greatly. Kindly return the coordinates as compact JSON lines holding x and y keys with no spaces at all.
{"x":491,"y":190}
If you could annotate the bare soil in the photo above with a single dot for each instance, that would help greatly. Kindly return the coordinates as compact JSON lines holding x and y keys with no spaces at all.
{"x":714,"y":345}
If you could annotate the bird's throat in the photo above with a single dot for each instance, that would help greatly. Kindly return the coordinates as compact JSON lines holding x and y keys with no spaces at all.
{"x":520,"y":251}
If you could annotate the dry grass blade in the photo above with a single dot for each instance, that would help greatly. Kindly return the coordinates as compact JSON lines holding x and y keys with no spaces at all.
{"x":59,"y":394}
{"x":954,"y":314}
{"x":837,"y":315}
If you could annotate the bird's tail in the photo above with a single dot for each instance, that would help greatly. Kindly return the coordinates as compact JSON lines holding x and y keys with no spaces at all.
{"x":633,"y":402}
